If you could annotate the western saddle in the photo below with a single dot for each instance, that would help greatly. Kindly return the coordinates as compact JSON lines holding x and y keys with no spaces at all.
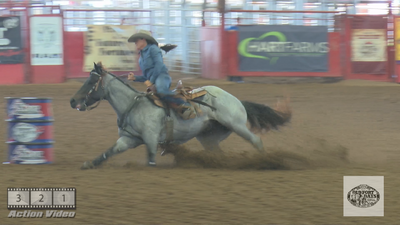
{"x":189,"y":94}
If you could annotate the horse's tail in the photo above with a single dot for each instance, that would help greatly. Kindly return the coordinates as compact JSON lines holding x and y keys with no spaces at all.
{"x":263,"y":118}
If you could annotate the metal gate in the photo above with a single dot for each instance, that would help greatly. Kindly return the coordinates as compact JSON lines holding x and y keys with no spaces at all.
{"x":169,"y":23}
{"x":178,"y":24}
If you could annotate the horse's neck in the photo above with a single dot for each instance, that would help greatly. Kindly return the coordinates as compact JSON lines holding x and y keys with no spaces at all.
{"x":119,"y":95}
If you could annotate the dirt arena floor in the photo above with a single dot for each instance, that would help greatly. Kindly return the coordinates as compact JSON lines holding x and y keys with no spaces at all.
{"x":347,"y":128}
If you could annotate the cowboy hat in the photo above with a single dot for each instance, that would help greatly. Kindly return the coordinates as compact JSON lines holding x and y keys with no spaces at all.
{"x":145,"y":35}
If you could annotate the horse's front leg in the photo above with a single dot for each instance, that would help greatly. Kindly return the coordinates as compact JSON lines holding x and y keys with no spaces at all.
{"x":122,"y":144}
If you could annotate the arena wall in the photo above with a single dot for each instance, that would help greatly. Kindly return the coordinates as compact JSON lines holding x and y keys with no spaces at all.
{"x":219,"y":57}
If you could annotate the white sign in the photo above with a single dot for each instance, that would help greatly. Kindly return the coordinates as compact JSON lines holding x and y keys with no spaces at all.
{"x":368,"y":45}
{"x":363,"y":196}
{"x":46,"y":41}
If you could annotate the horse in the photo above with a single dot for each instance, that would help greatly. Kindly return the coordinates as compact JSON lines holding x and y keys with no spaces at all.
{"x":140,"y":121}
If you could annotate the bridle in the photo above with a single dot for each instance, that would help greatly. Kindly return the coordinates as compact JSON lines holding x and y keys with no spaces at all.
{"x":95,"y":88}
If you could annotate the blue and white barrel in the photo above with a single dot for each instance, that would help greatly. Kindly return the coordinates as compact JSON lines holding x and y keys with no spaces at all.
{"x":30,"y":130}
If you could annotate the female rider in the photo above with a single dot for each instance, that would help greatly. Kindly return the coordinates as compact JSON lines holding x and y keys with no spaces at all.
{"x":155,"y":73}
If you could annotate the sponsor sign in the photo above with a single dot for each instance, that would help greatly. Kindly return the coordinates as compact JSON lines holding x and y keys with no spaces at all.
{"x":283,"y":48}
{"x":41,"y":198}
{"x":109,"y":44}
{"x":11,"y":51}
{"x":363,"y":196}
{"x":368,"y":45}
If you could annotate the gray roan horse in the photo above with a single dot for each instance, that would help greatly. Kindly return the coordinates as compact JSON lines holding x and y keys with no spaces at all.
{"x":140,"y":121}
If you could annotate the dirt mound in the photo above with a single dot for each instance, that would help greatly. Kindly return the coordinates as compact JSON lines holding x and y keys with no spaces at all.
{"x":321,"y":155}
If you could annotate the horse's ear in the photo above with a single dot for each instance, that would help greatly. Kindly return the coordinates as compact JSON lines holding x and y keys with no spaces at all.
{"x":97,"y":68}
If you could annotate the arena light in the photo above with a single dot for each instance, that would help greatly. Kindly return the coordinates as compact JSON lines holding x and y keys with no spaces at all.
{"x":258,"y":2}
{"x":373,"y":8}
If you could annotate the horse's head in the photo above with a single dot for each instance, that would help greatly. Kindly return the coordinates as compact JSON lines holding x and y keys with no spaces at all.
{"x":92,"y":90}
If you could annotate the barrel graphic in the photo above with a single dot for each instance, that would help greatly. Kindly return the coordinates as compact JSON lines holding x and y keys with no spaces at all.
{"x":30,"y":130}
{"x":29,"y":108}
{"x":30,"y":153}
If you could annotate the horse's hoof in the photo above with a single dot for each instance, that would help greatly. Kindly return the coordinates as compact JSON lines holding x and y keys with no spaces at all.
{"x":152,"y":164}
{"x":87,"y":165}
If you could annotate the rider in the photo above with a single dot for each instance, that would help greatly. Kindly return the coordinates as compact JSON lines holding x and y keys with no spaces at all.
{"x":155,"y":73}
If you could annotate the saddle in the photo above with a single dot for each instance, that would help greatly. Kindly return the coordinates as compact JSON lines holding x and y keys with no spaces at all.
{"x":188,"y":94}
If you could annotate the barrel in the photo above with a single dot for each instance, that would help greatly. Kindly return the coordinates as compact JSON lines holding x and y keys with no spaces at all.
{"x":30,"y":130}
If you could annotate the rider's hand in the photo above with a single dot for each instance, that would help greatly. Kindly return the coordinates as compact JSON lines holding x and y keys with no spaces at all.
{"x":131,"y":76}
{"x":151,"y":88}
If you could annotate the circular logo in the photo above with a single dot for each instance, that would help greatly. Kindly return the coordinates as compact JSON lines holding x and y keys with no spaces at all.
{"x":363,"y":196}
{"x":25,"y":132}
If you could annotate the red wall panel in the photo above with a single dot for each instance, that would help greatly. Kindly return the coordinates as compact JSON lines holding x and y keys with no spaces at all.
{"x":210,"y":53}
{"x":12,"y":74}
{"x":47,"y":74}
{"x":74,"y":54}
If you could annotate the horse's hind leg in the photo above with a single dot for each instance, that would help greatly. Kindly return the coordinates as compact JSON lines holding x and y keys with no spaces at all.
{"x":238,"y":124}
{"x":244,"y":132}
{"x":122,"y":144}
{"x":211,"y":138}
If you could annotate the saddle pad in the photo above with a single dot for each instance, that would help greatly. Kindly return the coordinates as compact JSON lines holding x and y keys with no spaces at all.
{"x":196,"y":90}
{"x":195,"y":93}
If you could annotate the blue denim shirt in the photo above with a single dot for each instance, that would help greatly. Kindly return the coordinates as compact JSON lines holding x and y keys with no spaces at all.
{"x":151,"y":63}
